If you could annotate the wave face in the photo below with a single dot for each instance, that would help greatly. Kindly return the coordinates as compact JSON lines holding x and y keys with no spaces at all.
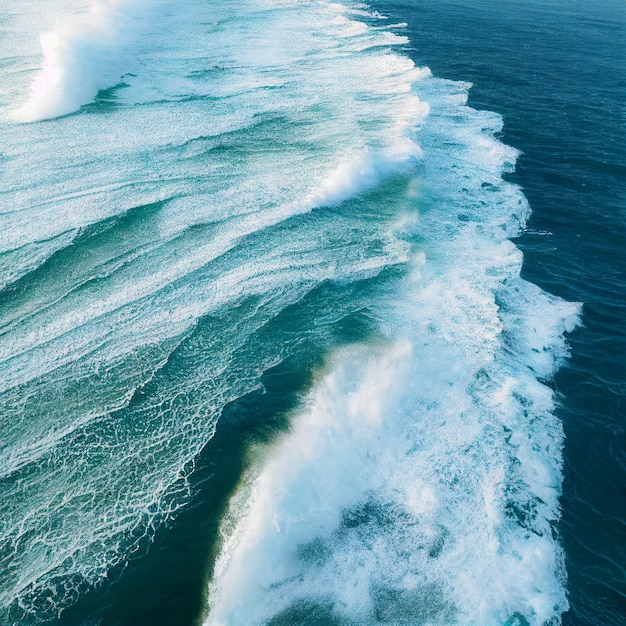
{"x":419,"y":483}
{"x":190,"y":172}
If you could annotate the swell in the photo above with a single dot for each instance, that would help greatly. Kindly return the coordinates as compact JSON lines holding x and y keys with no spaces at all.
{"x":72,"y":262}
{"x":98,"y":298}
{"x":266,"y":266}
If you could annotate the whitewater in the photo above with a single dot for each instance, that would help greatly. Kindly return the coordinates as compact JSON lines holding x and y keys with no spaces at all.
{"x":194,"y":193}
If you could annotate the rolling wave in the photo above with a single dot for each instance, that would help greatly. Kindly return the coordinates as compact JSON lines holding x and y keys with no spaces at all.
{"x":419,"y":482}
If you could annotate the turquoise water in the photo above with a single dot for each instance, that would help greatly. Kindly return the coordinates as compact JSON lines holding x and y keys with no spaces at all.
{"x":282,"y":342}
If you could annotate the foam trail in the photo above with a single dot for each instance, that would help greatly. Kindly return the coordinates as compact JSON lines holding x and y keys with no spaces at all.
{"x":419,"y":483}
{"x":84,"y":54}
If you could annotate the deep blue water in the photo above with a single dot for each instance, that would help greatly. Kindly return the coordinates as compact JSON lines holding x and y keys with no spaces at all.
{"x":268,"y":353}
{"x":556,"y":72}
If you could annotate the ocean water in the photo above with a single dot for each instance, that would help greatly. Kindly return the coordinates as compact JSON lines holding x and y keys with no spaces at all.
{"x":312,"y":313}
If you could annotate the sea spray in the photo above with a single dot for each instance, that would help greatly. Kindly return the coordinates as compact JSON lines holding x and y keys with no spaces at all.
{"x":419,"y":481}
{"x":86,"y":53}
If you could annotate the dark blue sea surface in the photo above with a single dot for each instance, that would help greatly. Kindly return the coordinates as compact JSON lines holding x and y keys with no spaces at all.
{"x":299,"y":327}
{"x":557,"y":73}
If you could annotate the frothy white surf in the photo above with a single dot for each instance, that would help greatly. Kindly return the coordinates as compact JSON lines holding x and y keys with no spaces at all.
{"x":419,"y":484}
{"x":86,"y":53}
{"x":146,"y":241}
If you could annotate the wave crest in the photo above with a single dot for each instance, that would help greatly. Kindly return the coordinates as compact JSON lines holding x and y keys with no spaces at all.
{"x":84,"y":54}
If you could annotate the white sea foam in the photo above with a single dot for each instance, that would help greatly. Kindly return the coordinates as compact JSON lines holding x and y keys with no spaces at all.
{"x":419,"y":483}
{"x":86,"y":53}
{"x":394,"y":497}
